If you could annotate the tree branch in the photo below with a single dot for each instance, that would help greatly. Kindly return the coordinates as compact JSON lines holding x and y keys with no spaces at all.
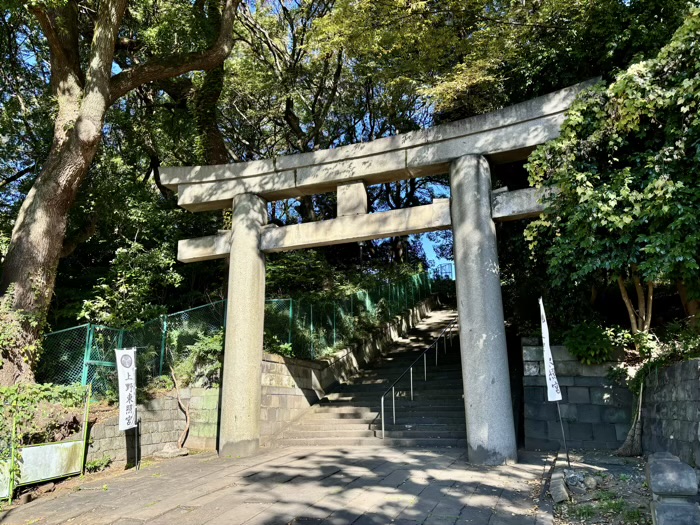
{"x":185,"y":409}
{"x":278,"y":54}
{"x":641,"y":297}
{"x":160,"y":68}
{"x":628,"y":304}
{"x":21,"y":173}
{"x":292,"y":120}
{"x":60,"y":27}
{"x":323,"y":115}
{"x":99,"y":69}
{"x":650,"y":300}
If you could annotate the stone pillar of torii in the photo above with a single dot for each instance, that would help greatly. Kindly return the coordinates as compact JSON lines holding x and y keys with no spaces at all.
{"x":465,"y":149}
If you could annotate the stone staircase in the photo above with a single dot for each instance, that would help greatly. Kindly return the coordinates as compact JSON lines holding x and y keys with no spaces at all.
{"x":350,"y":415}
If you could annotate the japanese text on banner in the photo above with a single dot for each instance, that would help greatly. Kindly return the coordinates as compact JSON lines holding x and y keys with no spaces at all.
{"x":126,"y":370}
{"x":553,"y":390}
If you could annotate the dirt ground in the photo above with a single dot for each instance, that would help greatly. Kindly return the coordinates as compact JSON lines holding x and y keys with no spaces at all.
{"x":605,"y":490}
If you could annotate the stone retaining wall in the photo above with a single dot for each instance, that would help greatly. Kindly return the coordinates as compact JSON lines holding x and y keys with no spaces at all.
{"x":671,"y":411}
{"x":161,"y":422}
{"x":596,"y":412}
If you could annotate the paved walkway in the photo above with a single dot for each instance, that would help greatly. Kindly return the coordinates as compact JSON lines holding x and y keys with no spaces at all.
{"x":303,"y":486}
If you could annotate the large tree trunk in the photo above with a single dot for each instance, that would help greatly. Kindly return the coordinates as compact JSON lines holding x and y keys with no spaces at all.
{"x":29,"y":271}
{"x":206,"y":99}
{"x":37,"y":241}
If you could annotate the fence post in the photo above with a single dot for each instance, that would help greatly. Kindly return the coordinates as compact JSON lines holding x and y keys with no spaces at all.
{"x":291,"y":316}
{"x":335,"y":307}
{"x":86,"y":356}
{"x":311,"y":315}
{"x":163,"y":342}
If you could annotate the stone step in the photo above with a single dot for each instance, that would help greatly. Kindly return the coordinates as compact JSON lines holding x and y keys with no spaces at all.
{"x":402,"y":418}
{"x":448,"y":385}
{"x":454,"y":385}
{"x":373,"y":442}
{"x":429,"y":388}
{"x":351,"y":433}
{"x":351,"y":416}
{"x":374,"y":425}
{"x":442,"y":366}
{"x":411,"y":355}
{"x":419,"y":397}
{"x":417,"y":376}
{"x":405,"y":409}
{"x":403,"y":403}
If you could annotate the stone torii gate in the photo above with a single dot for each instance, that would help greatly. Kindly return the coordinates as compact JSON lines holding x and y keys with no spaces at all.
{"x":464,"y":149}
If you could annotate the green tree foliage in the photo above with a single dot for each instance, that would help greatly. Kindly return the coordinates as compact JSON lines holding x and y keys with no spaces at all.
{"x":475,"y":56}
{"x":626,"y":166}
{"x":567,"y":42}
{"x":300,"y":76}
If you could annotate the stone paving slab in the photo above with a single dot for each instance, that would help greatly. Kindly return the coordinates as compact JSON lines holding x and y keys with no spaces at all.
{"x":304,"y":486}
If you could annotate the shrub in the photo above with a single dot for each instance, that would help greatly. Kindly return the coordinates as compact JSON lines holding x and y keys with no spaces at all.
{"x":593,"y":344}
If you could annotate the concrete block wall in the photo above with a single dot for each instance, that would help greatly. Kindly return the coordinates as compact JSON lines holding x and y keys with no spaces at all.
{"x":287,"y":392}
{"x":671,"y":411}
{"x":596,"y":411}
{"x":204,"y":417}
{"x":162,"y":422}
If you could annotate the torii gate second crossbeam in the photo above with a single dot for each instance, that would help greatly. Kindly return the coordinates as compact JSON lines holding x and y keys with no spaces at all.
{"x":464,"y":149}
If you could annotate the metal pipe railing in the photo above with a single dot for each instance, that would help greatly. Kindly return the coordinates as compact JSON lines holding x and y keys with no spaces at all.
{"x":436,"y":343}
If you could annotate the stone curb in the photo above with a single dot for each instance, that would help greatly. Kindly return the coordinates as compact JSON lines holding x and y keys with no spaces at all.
{"x":557,"y":486}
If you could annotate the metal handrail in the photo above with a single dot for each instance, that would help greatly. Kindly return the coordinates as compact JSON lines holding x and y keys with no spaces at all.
{"x":409,"y":370}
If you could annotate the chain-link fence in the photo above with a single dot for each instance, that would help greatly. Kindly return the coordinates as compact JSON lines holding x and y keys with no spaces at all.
{"x":310,"y":328}
{"x":85,"y":354}
{"x":191,"y":341}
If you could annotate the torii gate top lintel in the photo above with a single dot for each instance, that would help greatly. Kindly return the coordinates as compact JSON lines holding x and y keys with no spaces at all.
{"x":505,"y":135}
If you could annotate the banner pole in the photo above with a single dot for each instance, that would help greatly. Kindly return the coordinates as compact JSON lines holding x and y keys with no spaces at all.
{"x":563,"y":435}
{"x":137,"y":442}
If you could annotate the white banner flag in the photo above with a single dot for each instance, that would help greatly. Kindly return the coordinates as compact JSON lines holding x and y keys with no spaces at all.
{"x":126,"y":370}
{"x":553,"y":391}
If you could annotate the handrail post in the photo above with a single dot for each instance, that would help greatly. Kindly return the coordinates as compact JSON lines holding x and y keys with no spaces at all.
{"x":393,"y":402}
{"x":383,"y":417}
{"x":425,"y":367}
{"x":411,"y":383}
{"x":437,"y":350}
